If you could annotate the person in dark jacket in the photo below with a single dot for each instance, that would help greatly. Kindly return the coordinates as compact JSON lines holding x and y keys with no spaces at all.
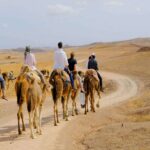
{"x":72,"y":65}
{"x":92,"y":64}
{"x":72,"y":62}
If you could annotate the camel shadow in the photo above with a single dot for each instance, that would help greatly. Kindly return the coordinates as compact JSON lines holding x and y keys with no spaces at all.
{"x":10,"y":133}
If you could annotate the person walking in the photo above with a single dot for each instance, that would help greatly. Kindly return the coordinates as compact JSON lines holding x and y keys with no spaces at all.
{"x":2,"y":84}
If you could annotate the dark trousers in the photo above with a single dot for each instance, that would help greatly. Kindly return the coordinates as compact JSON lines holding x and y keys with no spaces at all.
{"x":2,"y":82}
{"x":100,"y":79}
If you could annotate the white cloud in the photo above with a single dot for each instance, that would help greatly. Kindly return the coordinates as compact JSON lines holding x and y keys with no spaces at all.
{"x":59,"y":9}
{"x":114,"y":3}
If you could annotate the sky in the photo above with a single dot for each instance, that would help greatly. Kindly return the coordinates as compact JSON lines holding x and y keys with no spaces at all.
{"x":43,"y":23}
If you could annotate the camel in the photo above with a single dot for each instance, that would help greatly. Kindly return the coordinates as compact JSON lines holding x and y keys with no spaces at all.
{"x":91,"y":85}
{"x":75,"y":93}
{"x":28,"y":89}
{"x":61,"y":89}
{"x":46,"y":73}
{"x":35,"y":99}
{"x":8,"y":76}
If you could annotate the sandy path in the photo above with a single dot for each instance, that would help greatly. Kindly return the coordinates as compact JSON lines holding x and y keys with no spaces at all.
{"x":57,"y":137}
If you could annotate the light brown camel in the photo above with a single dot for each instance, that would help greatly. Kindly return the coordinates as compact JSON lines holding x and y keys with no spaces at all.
{"x":75,"y":93}
{"x":91,"y":85}
{"x":23,"y":90}
{"x":36,"y":96}
{"x":45,"y":73}
{"x":61,"y":90}
{"x":8,"y":76}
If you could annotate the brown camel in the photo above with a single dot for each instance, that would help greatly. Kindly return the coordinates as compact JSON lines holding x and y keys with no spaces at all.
{"x":21,"y":88}
{"x":26,"y":87}
{"x":91,"y":85}
{"x":61,"y":90}
{"x":75,"y":93}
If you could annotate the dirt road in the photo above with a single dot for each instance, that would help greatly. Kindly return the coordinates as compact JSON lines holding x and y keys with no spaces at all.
{"x":66,"y":134}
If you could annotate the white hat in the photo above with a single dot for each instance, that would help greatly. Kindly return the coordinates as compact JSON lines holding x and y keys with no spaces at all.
{"x":93,"y":54}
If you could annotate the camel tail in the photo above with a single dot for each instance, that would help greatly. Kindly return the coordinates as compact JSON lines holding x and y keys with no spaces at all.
{"x":86,"y":85}
{"x":19,"y":96}
{"x":29,"y":103}
{"x":54,"y":93}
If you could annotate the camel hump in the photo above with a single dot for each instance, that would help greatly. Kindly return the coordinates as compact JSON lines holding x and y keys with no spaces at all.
{"x":92,"y":73}
{"x":33,"y":75}
{"x":61,"y":73}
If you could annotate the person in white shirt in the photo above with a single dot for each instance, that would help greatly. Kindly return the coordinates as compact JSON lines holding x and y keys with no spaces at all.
{"x":29,"y":59}
{"x":61,"y":61}
{"x":60,"y":58}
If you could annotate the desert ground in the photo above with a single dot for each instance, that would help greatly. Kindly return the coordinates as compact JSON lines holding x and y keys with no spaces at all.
{"x":121,"y":123}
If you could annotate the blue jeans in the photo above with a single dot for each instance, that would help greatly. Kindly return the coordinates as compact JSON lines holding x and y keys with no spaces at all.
{"x":71,"y":77}
{"x":2,"y":82}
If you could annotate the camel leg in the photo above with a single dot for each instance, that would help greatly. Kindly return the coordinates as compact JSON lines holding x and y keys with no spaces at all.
{"x":73,"y":107}
{"x":31,"y":117}
{"x":92,"y":102}
{"x":86,"y":104}
{"x":66,"y":108}
{"x":76,"y":110}
{"x":68,"y":96}
{"x":63,"y":107}
{"x":75,"y":104}
{"x":40,"y":119}
{"x":57,"y":113}
{"x":87,"y":109}
{"x":34,"y":121}
{"x":18,"y":117}
{"x":22,"y":118}
{"x":37,"y":120}
{"x":98,"y":102}
{"x":55,"y":124}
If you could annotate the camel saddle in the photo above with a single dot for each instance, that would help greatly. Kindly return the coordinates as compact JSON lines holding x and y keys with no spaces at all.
{"x":92,"y":73}
{"x":64,"y":76}
{"x":30,"y":73}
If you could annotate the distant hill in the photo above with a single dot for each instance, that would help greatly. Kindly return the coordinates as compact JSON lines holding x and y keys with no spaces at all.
{"x":35,"y":50}
{"x":139,"y":42}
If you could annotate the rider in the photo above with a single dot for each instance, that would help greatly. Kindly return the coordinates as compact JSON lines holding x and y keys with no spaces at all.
{"x":2,"y":83}
{"x":92,"y":64}
{"x":29,"y":59}
{"x":61,"y":62}
{"x":72,"y":62}
{"x":73,"y":67}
